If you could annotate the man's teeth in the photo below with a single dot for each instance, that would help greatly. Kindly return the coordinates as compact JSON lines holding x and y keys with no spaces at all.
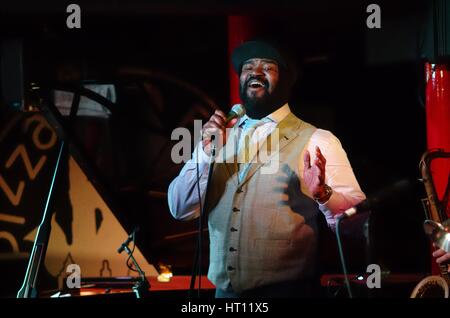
{"x":255,"y":84}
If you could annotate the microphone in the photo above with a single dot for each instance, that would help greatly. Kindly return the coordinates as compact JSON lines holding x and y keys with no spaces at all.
{"x":129,"y":239}
{"x":236,"y":111}
{"x":363,"y":206}
{"x":380,"y":200}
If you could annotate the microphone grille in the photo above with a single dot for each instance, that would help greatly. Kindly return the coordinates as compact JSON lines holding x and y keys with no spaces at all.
{"x":238,"y":109}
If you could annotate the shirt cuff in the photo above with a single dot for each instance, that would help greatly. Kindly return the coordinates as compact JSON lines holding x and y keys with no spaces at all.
{"x":330,"y":209}
{"x":331,"y":205}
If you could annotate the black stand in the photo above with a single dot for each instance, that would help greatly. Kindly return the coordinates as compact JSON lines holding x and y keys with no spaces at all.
{"x":56,"y":121}
{"x":142,"y":286}
{"x":37,"y":257}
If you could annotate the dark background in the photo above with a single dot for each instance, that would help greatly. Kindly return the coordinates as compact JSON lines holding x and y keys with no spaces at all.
{"x":366,"y":86}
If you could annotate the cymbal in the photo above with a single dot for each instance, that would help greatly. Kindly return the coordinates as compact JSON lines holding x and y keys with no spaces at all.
{"x":439,"y":233}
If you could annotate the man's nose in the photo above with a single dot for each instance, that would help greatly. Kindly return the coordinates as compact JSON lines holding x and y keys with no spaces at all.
{"x":256,"y":74}
{"x":257,"y":71}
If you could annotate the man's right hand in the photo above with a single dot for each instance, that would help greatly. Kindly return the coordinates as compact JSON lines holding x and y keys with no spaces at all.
{"x":216,"y":126}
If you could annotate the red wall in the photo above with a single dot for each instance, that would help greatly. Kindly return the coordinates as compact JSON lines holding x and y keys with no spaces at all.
{"x":438,"y":124}
{"x":240,"y":29}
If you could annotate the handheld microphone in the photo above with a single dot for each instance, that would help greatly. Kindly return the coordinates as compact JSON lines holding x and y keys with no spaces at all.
{"x":236,"y":111}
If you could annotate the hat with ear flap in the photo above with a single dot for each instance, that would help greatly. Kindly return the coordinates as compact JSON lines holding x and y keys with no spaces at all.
{"x":265,"y":50}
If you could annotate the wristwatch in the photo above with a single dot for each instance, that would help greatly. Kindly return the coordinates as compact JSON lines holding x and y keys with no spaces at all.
{"x":325,"y":196}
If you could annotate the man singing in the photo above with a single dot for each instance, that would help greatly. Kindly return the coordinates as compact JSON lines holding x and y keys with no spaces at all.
{"x":263,"y":226}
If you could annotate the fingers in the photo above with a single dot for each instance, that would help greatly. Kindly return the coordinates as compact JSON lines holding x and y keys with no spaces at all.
{"x":307,"y":160}
{"x":218,"y":119}
{"x":232,"y":122}
{"x":214,"y":128}
{"x":320,"y":156}
{"x":216,"y":124}
{"x":320,"y":164}
{"x":438,"y":253}
{"x":220,"y":114}
{"x":442,"y":256}
{"x":443,"y":259}
{"x":320,"y":161}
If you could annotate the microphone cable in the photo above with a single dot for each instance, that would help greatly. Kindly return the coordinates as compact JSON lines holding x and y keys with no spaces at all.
{"x":341,"y":255}
{"x":129,"y":265}
{"x":197,"y":263}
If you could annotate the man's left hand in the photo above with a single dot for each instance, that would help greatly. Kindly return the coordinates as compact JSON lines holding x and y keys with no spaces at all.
{"x":314,"y":174}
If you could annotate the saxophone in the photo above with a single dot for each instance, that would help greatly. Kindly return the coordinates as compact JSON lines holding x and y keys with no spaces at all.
{"x":433,"y":286}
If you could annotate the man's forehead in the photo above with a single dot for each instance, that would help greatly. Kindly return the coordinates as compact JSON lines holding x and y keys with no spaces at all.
{"x":257,"y":60}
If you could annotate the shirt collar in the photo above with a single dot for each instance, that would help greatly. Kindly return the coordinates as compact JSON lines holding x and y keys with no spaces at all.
{"x":275,"y":117}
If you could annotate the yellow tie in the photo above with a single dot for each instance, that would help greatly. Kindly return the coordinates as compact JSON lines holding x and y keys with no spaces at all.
{"x":246,"y":147}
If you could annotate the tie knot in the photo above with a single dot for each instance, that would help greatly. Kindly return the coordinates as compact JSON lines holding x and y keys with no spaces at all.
{"x":253,"y":123}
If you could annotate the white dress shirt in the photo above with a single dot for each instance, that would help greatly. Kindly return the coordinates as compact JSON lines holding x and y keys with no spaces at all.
{"x":184,"y":203}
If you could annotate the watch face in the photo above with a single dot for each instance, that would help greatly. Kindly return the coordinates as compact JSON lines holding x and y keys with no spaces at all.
{"x":328,"y":192}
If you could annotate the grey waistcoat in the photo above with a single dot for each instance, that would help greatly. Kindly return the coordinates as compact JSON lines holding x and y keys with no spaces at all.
{"x":263,"y":230}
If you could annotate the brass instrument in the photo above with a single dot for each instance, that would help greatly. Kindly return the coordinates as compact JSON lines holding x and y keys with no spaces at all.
{"x":436,"y":227}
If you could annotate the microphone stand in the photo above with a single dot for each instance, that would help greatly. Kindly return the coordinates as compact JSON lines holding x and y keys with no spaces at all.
{"x":37,"y":256}
{"x":36,"y":260}
{"x":142,"y":286}
{"x":64,"y":133}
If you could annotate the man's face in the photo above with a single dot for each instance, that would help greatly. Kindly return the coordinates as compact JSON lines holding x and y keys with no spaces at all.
{"x":262,"y":88}
{"x":259,"y":78}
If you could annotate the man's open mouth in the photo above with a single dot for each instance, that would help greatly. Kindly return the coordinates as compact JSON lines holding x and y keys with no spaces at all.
{"x":256,"y":84}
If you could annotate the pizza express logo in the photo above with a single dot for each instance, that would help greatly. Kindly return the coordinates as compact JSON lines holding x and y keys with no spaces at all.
{"x":27,"y":151}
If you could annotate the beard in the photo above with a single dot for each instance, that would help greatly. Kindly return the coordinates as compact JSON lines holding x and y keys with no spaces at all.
{"x":259,"y":107}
